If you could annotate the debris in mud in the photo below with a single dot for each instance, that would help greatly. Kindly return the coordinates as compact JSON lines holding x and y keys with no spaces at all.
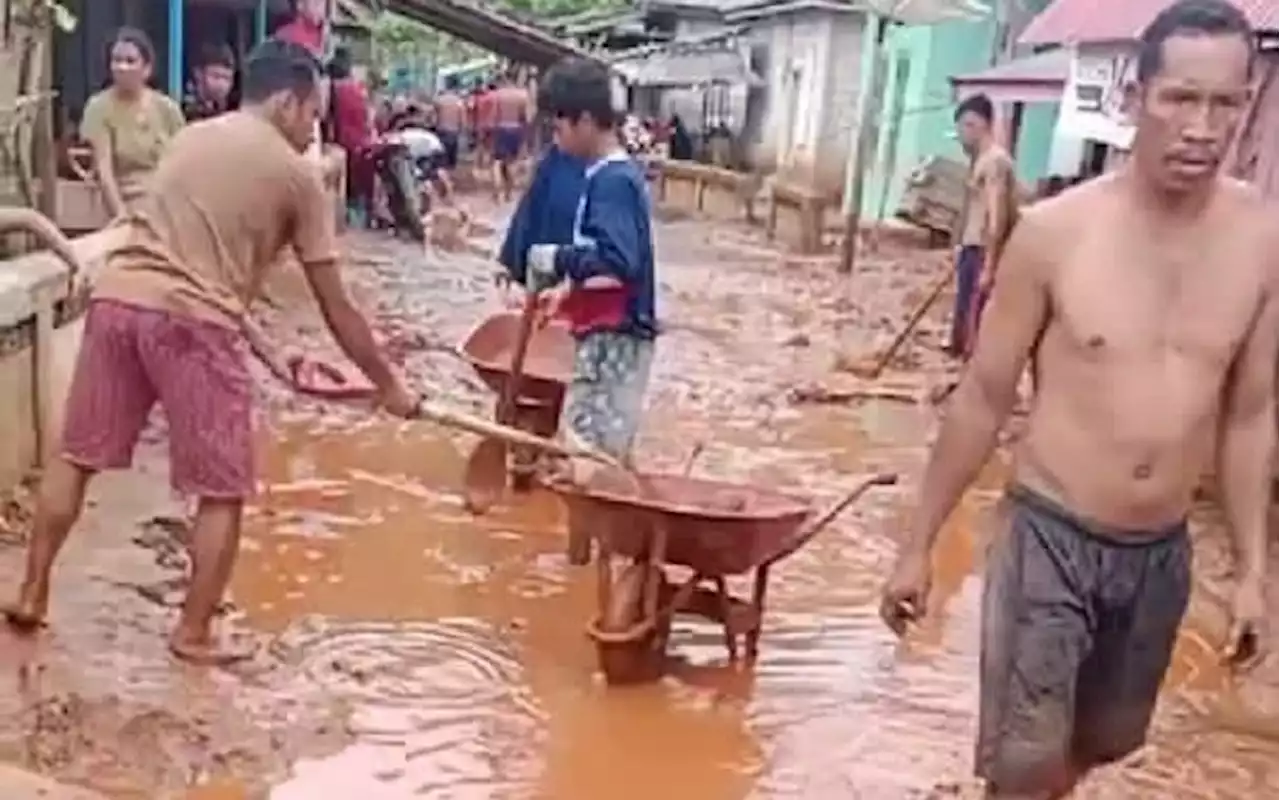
{"x":168,"y":538}
{"x":797,"y":340}
{"x":18,"y":510}
{"x":817,"y":394}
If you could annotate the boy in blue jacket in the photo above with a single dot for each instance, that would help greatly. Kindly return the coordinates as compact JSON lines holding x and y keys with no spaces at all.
{"x":547,"y":212}
{"x":604,"y":279}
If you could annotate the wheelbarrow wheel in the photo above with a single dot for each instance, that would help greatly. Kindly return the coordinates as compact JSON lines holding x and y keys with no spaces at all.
{"x":630,"y":660}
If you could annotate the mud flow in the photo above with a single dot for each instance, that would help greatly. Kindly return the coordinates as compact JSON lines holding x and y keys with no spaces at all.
{"x":410,"y":650}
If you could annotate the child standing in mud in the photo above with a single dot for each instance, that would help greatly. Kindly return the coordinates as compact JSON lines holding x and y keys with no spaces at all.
{"x":603,"y":283}
{"x":166,"y":324}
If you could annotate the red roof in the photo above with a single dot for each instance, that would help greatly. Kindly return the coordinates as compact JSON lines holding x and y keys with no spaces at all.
{"x":1076,"y":21}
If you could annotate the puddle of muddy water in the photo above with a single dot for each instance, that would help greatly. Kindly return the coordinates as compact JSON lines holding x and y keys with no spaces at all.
{"x":412,"y":651}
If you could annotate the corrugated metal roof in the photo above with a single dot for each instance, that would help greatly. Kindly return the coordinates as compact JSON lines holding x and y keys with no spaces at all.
{"x":1051,"y":66}
{"x":687,"y":67}
{"x":1077,"y":21}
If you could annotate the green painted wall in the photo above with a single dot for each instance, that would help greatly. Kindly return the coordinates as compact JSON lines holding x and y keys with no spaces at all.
{"x":924,"y":107}
{"x":1034,"y":141}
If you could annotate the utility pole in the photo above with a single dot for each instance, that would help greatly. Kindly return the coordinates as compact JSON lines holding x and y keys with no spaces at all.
{"x":861,"y":144}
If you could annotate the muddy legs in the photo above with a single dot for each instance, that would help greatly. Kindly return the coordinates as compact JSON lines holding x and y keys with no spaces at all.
{"x":58,"y":507}
{"x":213,"y":546}
{"x":215,"y":542}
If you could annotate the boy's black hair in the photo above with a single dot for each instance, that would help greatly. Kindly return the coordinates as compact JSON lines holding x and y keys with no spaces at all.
{"x":136,"y":37}
{"x":1190,"y":18}
{"x":978,"y":104}
{"x":340,"y":65}
{"x":215,"y":54}
{"x":275,"y":66}
{"x":577,"y":87}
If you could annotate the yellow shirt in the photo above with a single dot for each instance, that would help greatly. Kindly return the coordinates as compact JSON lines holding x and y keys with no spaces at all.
{"x":135,"y":132}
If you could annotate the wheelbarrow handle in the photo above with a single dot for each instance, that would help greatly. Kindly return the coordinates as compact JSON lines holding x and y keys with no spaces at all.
{"x":466,"y":422}
{"x":824,"y":518}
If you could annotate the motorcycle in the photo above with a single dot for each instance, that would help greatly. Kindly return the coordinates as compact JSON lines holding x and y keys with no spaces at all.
{"x":398,"y":176}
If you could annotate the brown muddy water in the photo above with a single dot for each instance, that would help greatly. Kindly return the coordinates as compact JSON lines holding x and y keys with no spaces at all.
{"x":409,"y":650}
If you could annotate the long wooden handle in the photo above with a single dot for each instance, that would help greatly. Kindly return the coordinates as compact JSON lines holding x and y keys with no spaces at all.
{"x":466,"y":422}
{"x":511,"y":386}
{"x":935,"y":292}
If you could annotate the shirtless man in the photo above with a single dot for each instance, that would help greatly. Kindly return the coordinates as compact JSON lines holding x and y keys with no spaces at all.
{"x":483,"y":110}
{"x":1148,"y":298}
{"x":989,"y":215}
{"x":511,"y":115}
{"x":451,"y":116}
{"x":165,"y":324}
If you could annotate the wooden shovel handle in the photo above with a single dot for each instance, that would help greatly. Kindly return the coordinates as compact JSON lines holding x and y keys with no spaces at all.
{"x":511,"y":386}
{"x":889,"y":352}
{"x":514,"y":436}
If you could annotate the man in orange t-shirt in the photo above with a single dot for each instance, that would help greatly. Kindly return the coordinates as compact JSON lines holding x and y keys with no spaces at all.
{"x":166,"y":321}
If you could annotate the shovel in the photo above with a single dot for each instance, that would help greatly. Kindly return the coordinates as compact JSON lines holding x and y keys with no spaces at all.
{"x":871,"y":368}
{"x":507,"y":435}
{"x":485,"y":478}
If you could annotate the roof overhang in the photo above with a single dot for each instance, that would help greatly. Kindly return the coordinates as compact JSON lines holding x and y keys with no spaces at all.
{"x":495,"y":32}
{"x":1037,"y":78}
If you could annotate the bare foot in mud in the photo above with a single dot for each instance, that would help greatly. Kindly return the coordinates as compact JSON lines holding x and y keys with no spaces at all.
{"x":208,"y":652}
{"x":27,"y":615}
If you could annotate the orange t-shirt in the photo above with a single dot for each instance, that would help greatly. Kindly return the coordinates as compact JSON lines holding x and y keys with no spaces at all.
{"x":229,"y":194}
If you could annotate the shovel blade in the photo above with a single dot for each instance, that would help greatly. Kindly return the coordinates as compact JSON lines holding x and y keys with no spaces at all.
{"x":485,"y":478}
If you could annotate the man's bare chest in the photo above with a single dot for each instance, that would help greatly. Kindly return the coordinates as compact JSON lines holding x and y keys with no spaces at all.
{"x":1164,"y":305}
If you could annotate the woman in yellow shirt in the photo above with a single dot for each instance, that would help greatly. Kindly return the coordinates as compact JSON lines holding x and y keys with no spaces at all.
{"x":128,"y":124}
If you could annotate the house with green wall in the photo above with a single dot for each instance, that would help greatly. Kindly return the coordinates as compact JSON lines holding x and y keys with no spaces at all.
{"x":919,"y":99}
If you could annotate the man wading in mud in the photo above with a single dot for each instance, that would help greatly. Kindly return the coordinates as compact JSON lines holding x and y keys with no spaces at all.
{"x":511,"y":108}
{"x":165,"y":323}
{"x":1148,"y":298}
{"x":451,"y":115}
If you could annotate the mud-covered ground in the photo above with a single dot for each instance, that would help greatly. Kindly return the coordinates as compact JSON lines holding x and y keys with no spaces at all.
{"x":409,"y":650}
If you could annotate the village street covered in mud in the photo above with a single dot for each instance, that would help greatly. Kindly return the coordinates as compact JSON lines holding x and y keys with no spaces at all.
{"x":411,"y":650}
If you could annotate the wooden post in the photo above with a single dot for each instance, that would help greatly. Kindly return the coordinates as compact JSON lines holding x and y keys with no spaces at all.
{"x":45,"y":149}
{"x":860,"y":146}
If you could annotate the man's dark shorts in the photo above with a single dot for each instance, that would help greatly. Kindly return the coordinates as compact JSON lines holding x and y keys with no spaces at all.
{"x":1078,"y":627}
{"x":449,"y":141}
{"x":507,"y":141}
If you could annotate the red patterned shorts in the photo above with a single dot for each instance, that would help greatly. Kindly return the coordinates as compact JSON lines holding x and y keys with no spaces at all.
{"x":130,"y":358}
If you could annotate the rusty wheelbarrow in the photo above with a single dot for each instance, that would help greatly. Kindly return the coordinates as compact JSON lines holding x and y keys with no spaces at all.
{"x":548,"y":365}
{"x":714,"y":529}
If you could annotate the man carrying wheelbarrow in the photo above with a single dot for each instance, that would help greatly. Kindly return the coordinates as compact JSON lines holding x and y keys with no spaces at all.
{"x":603,"y":283}
{"x":1147,"y":299}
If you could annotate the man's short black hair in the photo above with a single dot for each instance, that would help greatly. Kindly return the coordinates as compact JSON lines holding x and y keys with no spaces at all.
{"x":275,"y":66}
{"x":978,"y":104}
{"x":575,"y":87}
{"x":215,"y":54}
{"x":1190,"y":18}
{"x":340,"y":65}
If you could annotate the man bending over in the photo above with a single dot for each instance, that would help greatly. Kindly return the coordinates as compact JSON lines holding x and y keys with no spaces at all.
{"x":165,"y":324}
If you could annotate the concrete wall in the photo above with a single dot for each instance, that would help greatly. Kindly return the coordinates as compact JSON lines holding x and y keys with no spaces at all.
{"x":810,"y":98}
{"x":36,"y":358}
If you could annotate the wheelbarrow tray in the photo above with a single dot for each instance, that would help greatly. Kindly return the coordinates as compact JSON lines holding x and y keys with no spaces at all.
{"x":547,"y":367}
{"x":713,"y":527}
